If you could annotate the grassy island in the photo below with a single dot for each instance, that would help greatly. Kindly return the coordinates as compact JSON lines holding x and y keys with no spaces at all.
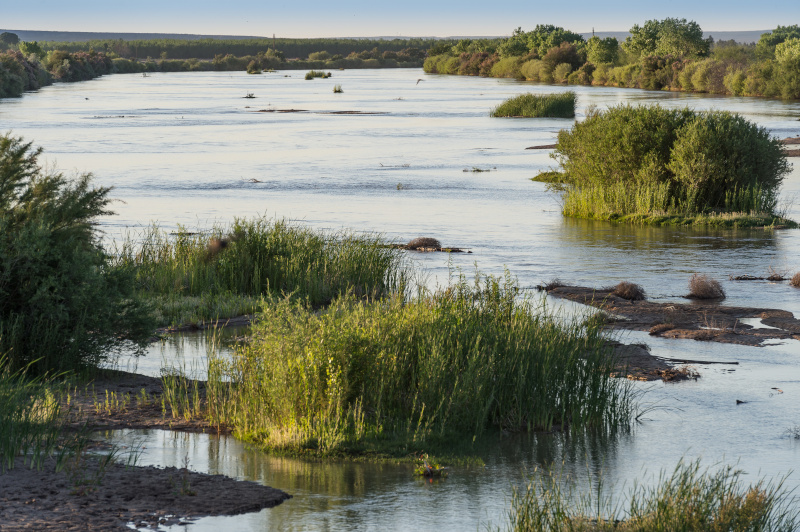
{"x":648,"y":164}
{"x":529,"y":105}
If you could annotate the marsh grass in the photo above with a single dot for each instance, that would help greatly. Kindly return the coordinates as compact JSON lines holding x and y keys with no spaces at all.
{"x":561,"y":105}
{"x":795,"y":280}
{"x":337,"y":89}
{"x":31,"y":420}
{"x":311,"y":74}
{"x":401,"y":375}
{"x":702,"y":286}
{"x":659,"y":204}
{"x":688,"y":500}
{"x":225,"y":272}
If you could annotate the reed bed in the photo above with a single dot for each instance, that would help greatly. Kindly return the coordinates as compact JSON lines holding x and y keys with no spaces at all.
{"x":30,"y":418}
{"x":529,"y":105}
{"x":689,"y":499}
{"x":229,"y":269}
{"x":398,"y":374}
{"x":660,"y":203}
{"x":311,"y":74}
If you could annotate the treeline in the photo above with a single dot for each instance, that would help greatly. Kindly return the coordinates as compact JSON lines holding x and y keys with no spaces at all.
{"x":210,"y":48}
{"x":669,"y":54}
{"x":28,"y":66}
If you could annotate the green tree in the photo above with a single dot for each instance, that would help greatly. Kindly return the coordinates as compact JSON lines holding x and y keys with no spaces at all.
{"x":32,"y":47}
{"x":62,"y":304}
{"x":671,"y":36}
{"x":546,"y":36}
{"x":768,"y":41}
{"x":514,"y":46}
{"x":602,"y":50}
{"x":9,"y":39}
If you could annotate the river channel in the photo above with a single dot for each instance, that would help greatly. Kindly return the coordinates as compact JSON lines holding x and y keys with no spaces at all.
{"x":187,"y":149}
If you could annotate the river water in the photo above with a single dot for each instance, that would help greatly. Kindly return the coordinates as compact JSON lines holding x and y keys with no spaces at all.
{"x":188,"y":149}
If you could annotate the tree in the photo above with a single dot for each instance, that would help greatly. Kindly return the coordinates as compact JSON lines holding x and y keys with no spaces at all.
{"x":9,"y":39}
{"x":546,"y":36}
{"x":671,"y":36}
{"x":28,"y":48}
{"x":602,"y":50}
{"x":765,"y":47}
{"x":514,"y":46}
{"x":63,"y":306}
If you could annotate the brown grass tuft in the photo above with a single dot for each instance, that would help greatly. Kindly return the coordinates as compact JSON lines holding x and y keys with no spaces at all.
{"x":424,"y":242}
{"x":630,"y":291}
{"x":704,"y":287}
{"x":795,"y":280}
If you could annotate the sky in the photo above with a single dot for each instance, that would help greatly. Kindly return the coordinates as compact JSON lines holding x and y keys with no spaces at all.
{"x":362,"y":18}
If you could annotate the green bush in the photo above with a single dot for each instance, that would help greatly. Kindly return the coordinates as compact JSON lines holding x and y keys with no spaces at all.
{"x":62,"y":305}
{"x":561,"y":105}
{"x":652,"y":160}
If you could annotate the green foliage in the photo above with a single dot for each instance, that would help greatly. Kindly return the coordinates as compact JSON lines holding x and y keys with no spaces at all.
{"x":768,"y":41}
{"x":9,"y":38}
{"x":28,"y":48}
{"x":689,"y":500}
{"x":262,"y":257}
{"x":670,"y":36}
{"x":62,"y":305}
{"x":19,"y":73}
{"x":311,"y":74}
{"x":403,"y":374}
{"x":650,"y":160}
{"x":788,"y":50}
{"x":602,"y":50}
{"x":561,"y":105}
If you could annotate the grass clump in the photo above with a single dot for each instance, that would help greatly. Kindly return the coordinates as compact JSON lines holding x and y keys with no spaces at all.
{"x":398,"y":375}
{"x":311,"y":74}
{"x":337,"y":89}
{"x":63,"y":306}
{"x":688,"y":500}
{"x":629,"y":291}
{"x":656,"y":165}
{"x":795,"y":280}
{"x":560,"y":105}
{"x":424,"y":242}
{"x":704,"y":287}
{"x":232,"y":267}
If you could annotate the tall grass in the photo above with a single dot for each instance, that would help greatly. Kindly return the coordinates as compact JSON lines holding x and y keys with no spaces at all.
{"x":30,"y":418}
{"x":311,"y":74}
{"x":261,"y":257}
{"x":399,"y":374}
{"x":688,"y":500}
{"x":561,"y":105}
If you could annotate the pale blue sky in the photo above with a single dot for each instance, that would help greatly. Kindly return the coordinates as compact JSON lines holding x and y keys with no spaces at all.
{"x":330,"y":18}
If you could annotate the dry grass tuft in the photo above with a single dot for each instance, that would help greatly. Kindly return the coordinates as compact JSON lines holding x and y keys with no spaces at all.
{"x":795,"y":280}
{"x":704,"y":287}
{"x":630,"y":291}
{"x":659,"y":328}
{"x":555,"y":282}
{"x":424,"y":242}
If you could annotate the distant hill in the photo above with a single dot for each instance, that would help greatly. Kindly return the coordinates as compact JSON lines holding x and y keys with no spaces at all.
{"x":738,"y":36}
{"x":82,"y":36}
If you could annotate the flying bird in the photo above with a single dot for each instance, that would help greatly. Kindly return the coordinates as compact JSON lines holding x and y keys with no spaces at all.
{"x":419,"y":80}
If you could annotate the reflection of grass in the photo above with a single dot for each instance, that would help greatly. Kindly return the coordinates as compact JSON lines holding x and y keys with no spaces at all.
{"x":395,"y":375}
{"x":688,"y":500}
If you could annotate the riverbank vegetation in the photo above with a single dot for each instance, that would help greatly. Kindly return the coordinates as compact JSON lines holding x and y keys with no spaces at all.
{"x":28,"y":66}
{"x":200,"y":276}
{"x":669,"y":54}
{"x":689,"y":499}
{"x":399,"y":375}
{"x":560,"y":105}
{"x":649,"y":164}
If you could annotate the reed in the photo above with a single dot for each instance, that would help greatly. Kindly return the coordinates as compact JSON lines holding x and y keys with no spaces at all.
{"x":232,"y":267}
{"x":560,"y":105}
{"x":689,"y":499}
{"x":397,"y":374}
{"x":30,"y":418}
{"x":311,"y":74}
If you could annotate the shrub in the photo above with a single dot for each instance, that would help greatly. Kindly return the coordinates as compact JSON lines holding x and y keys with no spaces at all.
{"x":630,"y":291}
{"x":62,"y":305}
{"x":561,"y":71}
{"x":795,"y":280}
{"x":560,"y":105}
{"x":424,"y":242}
{"x":704,"y":287}
{"x":647,"y":159}
{"x":338,"y":89}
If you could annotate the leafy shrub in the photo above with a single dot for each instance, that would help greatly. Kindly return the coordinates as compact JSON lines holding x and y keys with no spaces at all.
{"x":560,"y":105}
{"x":561,"y":71}
{"x":62,"y":305}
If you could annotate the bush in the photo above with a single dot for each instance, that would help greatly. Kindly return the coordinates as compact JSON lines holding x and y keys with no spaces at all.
{"x":62,"y":305}
{"x":648,"y":159}
{"x":560,"y":105}
{"x":629,"y":291}
{"x":795,"y":280}
{"x":704,"y":287}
